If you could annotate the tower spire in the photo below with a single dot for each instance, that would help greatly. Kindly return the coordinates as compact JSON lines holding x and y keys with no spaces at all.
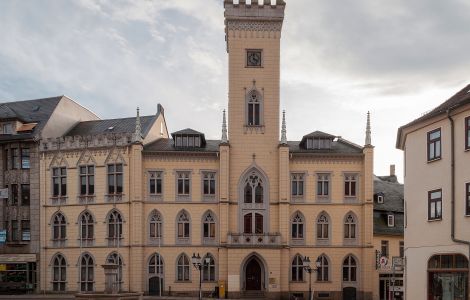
{"x":368,"y":133}
{"x":224,"y":129}
{"x":138,"y":128}
{"x":283,"y":129}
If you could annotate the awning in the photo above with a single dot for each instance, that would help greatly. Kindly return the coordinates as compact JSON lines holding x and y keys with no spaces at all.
{"x":17,"y":258}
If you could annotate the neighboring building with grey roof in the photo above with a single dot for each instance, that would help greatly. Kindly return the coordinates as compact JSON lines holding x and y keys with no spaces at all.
{"x":22,"y":125}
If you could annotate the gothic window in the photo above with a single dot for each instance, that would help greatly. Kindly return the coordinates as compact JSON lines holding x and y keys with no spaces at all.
{"x":208,"y":268}
{"x":323,"y":270}
{"x":209,"y":227}
{"x":297,"y":227}
{"x":183,"y":227}
{"x":208,"y":183}
{"x":182,"y":268}
{"x":114,"y":226}
{"x":87,"y":180}
{"x":350,"y":185}
{"x":59,"y":182}
{"x":59,"y":227}
{"x":183,"y":183}
{"x":155,"y":266}
{"x":349,"y":269}
{"x":297,"y":273}
{"x":116,"y":259}
{"x":253,"y":189}
{"x":323,"y":185}
{"x":87,"y":269}
{"x":254,"y":108}
{"x":155,"y":182}
{"x":323,"y":225}
{"x":350,"y":226}
{"x":155,"y":225}
{"x":115,"y":179}
{"x":297,"y":185}
{"x":86,"y":227}
{"x":59,"y":273}
{"x":253,"y":223}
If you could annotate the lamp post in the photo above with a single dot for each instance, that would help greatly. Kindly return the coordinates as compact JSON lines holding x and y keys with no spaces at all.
{"x":199,"y":263}
{"x":306,"y":265}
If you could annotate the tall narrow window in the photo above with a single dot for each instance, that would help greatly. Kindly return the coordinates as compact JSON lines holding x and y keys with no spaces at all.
{"x":87,"y":180}
{"x":156,"y":265}
{"x":25,"y":230}
{"x":402,"y":249}
{"x":6,"y":159}
{"x":254,"y":109}
{"x":208,"y":227}
{"x":14,"y":194}
{"x":467,"y":133}
{"x":182,"y":269}
{"x":114,"y":226}
{"x":390,"y":220}
{"x":247,"y":223}
{"x":322,"y":227}
{"x":25,"y":194}
{"x":350,"y":227}
{"x":435,"y":205}
{"x":297,"y":272}
{"x":323,"y":185}
{"x":323,"y":270}
{"x":183,"y":183}
{"x":155,"y":183}
{"x":349,"y":269}
{"x":297,"y":227}
{"x":297,"y":182}
{"x":467,"y":199}
{"x":116,"y":259}
{"x":59,"y":182}
{"x":434,"y":144}
{"x":384,"y":248}
{"x":15,"y":231}
{"x":115,"y":179}
{"x":209,"y":184}
{"x":183,"y":227}
{"x":25,"y":158}
{"x":350,"y":185}
{"x":87,"y":269}
{"x":86,"y":228}
{"x":155,"y":230}
{"x":208,"y":268}
{"x":15,"y":159}
{"x":59,"y":276}
{"x":253,"y":189}
{"x":59,"y":227}
{"x":259,"y":223}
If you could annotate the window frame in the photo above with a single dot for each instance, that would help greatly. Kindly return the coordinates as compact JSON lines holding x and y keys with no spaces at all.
{"x":323,"y":271}
{"x":155,"y":177}
{"x":114,"y":175}
{"x":86,"y":237}
{"x":297,"y":269}
{"x":297,"y":226}
{"x":208,"y":268}
{"x":59,"y":264}
{"x":59,"y":226}
{"x":320,"y":229}
{"x":183,"y":237}
{"x":255,"y":99}
{"x":351,"y":267}
{"x":390,"y":220}
{"x":155,"y":221}
{"x":14,"y":194}
{"x":350,"y":228}
{"x":385,"y":248}
{"x":61,"y":187}
{"x":297,"y":183}
{"x":433,"y":142}
{"x":467,"y":133}
{"x":436,"y":200}
{"x":89,"y":267}
{"x":349,"y":179}
{"x":323,"y":178}
{"x":114,"y":227}
{"x":25,"y":194}
{"x":185,"y":267}
{"x":87,"y":175}
{"x":467,"y":199}
{"x":25,"y":160}
{"x":186,"y":188}
{"x":211,"y":227}
{"x":401,"y":248}
{"x":15,"y":158}
{"x":209,"y":196}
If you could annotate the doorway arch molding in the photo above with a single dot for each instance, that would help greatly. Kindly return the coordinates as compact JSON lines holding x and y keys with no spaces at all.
{"x":264,"y":270}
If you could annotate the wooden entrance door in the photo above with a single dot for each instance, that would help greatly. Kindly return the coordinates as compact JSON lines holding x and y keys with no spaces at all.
{"x":253,"y":276}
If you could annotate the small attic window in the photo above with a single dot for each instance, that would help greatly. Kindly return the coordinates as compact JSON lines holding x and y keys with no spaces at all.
{"x":380,"y":199}
{"x":391,"y":220}
{"x":319,"y":143}
{"x":110,"y":128}
{"x":187,"y":141}
{"x":7,"y":128}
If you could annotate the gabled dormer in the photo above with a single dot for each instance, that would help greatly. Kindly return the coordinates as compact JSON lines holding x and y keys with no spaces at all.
{"x":317,"y":140}
{"x":189,"y":138}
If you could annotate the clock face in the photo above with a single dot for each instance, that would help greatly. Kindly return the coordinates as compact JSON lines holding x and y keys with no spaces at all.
{"x":253,"y":58}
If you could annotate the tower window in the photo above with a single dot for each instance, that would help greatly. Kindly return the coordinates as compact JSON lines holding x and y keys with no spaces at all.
{"x":254,"y":108}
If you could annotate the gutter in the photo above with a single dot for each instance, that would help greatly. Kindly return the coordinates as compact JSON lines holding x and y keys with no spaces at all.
{"x":452,"y":176}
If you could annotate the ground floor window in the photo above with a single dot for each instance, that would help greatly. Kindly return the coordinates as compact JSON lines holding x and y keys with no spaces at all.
{"x":17,"y":277}
{"x":448,"y":277}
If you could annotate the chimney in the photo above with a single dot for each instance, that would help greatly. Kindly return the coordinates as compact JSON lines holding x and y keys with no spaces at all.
{"x":392,"y":170}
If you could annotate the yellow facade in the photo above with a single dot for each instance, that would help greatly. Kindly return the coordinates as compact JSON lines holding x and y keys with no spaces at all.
{"x":254,"y":263}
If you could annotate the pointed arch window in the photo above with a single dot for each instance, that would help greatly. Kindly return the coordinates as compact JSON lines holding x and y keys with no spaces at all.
{"x":183,"y":227}
{"x":155,"y":266}
{"x":86,"y":228}
{"x":350,"y":226}
{"x":59,"y":273}
{"x":208,"y":268}
{"x":254,"y":189}
{"x":349,"y":269}
{"x":182,"y":268}
{"x":87,"y":269}
{"x":297,"y":226}
{"x":59,"y":227}
{"x":254,"y":109}
{"x":114,"y":227}
{"x":155,"y":225}
{"x":323,"y":270}
{"x":116,"y":259}
{"x":297,"y":272}
{"x":209,"y":227}
{"x":323,"y":226}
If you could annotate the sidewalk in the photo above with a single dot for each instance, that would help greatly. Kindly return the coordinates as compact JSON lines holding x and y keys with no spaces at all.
{"x":71,"y":296}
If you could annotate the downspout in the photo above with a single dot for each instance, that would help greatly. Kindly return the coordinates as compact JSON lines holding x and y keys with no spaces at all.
{"x":452,"y":176}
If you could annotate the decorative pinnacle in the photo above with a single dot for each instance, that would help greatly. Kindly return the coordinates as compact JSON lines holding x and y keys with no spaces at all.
{"x":138,"y":128}
{"x":283,"y":129}
{"x":224,"y":129}
{"x":368,"y":133}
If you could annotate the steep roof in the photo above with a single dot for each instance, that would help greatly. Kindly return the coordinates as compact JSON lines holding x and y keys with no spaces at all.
{"x":459,"y":99}
{"x":168,"y":145}
{"x":339,"y":146}
{"x":393,"y":193}
{"x":29,"y":111}
{"x":121,"y":125}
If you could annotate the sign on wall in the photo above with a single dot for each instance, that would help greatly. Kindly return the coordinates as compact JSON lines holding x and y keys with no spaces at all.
{"x":3,"y":236}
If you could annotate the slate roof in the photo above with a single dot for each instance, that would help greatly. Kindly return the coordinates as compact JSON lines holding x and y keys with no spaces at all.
{"x":459,"y":99}
{"x":339,"y":146}
{"x":29,"y":111}
{"x":188,"y":131}
{"x":168,"y":145}
{"x":319,"y":134}
{"x":393,"y":193}
{"x":122,"y":125}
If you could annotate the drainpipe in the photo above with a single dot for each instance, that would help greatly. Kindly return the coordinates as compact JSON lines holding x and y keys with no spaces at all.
{"x":452,"y":176}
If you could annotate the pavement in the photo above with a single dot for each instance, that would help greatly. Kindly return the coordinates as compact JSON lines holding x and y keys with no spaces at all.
{"x":71,"y":296}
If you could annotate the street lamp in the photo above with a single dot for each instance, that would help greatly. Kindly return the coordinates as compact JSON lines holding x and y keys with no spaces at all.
{"x":306,"y":265}
{"x":198,"y":263}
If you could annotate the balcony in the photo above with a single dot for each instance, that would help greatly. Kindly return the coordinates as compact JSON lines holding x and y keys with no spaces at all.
{"x":254,"y":240}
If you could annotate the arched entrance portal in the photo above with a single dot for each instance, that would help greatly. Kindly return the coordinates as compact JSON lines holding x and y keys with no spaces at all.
{"x":254,"y":274}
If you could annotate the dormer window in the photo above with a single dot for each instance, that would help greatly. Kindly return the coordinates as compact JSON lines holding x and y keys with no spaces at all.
{"x":189,"y":138}
{"x":380,"y":199}
{"x":390,"y":220}
{"x":317,"y":141}
{"x":7,"y":128}
{"x":320,"y":143}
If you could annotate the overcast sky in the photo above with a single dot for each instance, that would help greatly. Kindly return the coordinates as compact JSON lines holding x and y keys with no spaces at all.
{"x":339,"y":59}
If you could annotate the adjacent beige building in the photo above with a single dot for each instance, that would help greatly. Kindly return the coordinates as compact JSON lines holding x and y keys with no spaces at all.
{"x":437,"y":200}
{"x":251,"y":204}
